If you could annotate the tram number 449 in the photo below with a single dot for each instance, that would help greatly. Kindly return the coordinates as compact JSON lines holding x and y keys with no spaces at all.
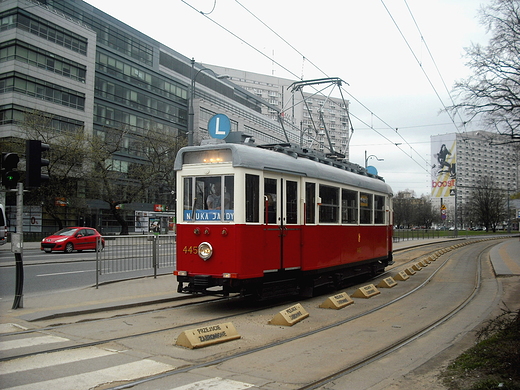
{"x":191,"y":250}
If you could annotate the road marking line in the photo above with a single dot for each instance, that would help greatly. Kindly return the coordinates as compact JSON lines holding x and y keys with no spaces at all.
{"x":53,"y":358}
{"x":65,"y":273}
{"x":216,"y":384}
{"x":30,"y":342}
{"x":125,"y":372}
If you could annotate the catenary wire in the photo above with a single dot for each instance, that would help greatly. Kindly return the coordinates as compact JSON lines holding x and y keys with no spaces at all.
{"x":348,"y":93}
{"x":296,"y":76}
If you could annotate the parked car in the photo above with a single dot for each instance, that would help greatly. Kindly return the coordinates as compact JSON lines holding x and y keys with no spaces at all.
{"x":73,"y":238}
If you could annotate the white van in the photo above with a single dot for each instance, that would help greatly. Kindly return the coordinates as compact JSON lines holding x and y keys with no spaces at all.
{"x":3,"y":226}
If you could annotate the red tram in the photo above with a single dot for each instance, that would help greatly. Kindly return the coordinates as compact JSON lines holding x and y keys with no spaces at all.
{"x":276,"y":219}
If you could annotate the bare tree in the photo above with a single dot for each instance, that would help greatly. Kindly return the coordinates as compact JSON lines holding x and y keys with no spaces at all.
{"x":424,"y":215}
{"x":118,"y":181}
{"x":403,"y":210}
{"x":68,"y":150}
{"x":492,"y":93}
{"x":488,"y":204}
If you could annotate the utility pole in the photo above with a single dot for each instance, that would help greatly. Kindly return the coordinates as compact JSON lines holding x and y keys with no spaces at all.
{"x":17,"y":248}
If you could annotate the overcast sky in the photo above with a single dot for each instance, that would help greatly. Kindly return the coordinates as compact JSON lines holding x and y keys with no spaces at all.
{"x":392,"y":81}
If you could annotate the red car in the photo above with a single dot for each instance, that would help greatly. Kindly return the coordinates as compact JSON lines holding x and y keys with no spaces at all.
{"x":73,"y":238}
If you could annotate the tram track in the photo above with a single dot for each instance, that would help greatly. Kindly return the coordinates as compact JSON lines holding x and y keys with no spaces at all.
{"x":363,"y":362}
{"x":182,"y":301}
{"x":249,"y":351}
{"x":404,"y":341}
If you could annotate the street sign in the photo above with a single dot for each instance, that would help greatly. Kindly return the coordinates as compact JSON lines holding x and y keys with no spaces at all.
{"x":219,"y":126}
{"x":372,"y":170}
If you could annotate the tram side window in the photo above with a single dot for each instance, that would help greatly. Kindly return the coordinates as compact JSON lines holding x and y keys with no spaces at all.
{"x":365,"y":203}
{"x":379,"y":209}
{"x":349,"y":206}
{"x":292,"y":202}
{"x":310,"y":202}
{"x":329,"y":209}
{"x":252,"y":196}
{"x":270,"y":200}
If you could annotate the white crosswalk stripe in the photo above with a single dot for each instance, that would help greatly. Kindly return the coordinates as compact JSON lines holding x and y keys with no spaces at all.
{"x":30,"y":342}
{"x":124,"y":372}
{"x":51,"y":359}
{"x":216,"y":384}
{"x":10,"y":327}
{"x":50,"y":369}
{"x":51,"y":372}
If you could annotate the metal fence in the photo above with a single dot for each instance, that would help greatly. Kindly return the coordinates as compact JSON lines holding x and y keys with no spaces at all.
{"x":134,"y":253}
{"x":415,"y":234}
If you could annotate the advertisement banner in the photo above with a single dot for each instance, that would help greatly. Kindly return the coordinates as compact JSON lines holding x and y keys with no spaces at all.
{"x":443,"y":172}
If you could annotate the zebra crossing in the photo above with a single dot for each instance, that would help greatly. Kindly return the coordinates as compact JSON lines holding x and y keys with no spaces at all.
{"x":82,"y":368}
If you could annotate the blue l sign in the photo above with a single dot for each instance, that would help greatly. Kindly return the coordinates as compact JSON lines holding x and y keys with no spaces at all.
{"x":219,"y":126}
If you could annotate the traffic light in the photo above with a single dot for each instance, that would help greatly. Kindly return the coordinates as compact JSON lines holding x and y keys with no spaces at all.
{"x":10,"y":175}
{"x":35,"y":162}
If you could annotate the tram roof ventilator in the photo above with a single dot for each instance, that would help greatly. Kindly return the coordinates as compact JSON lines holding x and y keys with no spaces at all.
{"x":333,"y":159}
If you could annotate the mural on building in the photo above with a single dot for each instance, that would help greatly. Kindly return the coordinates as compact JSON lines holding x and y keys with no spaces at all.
{"x":443,"y":171}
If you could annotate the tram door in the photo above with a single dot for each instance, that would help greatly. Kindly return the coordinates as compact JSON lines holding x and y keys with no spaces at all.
{"x":281,"y":213}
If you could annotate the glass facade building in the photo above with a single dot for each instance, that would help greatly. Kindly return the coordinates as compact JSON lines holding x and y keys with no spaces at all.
{"x":86,"y":71}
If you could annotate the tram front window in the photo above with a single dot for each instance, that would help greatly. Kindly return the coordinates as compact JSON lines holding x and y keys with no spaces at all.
{"x":209,"y":198}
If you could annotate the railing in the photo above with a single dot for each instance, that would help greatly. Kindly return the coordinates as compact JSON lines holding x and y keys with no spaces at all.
{"x":134,"y":253}
{"x":415,"y":234}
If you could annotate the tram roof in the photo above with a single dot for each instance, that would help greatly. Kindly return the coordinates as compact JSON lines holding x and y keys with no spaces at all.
{"x":260,"y":158}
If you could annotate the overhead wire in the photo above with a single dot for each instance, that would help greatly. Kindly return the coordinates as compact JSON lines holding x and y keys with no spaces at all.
{"x":417,"y":59}
{"x":305,"y":58}
{"x":436,"y":67}
{"x":346,"y":91}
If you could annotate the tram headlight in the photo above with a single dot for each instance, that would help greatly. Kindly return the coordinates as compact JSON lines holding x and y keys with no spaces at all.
{"x":205,"y":250}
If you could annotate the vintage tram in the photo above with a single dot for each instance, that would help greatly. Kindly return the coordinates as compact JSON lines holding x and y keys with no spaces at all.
{"x":276,"y":219}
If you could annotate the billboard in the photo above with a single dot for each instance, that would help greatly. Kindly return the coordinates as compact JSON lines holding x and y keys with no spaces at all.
{"x":444,"y":160}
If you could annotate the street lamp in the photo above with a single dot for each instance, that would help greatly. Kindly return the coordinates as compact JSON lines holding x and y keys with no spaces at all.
{"x":372,"y":155}
{"x":191,"y":114}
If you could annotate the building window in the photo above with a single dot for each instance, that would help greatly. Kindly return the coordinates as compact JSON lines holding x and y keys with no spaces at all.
{"x":23,"y":20}
{"x":43,"y":59}
{"x":41,"y":89}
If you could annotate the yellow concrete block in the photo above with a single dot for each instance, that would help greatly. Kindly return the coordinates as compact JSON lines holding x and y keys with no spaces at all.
{"x":367,"y":291}
{"x":290,"y":316}
{"x":207,"y":335}
{"x":387,"y":283}
{"x":337,"y":301}
{"x":401,"y":276}
{"x":410,"y":271}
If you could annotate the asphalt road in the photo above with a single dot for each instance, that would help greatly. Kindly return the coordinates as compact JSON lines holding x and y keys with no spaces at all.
{"x":50,"y":272}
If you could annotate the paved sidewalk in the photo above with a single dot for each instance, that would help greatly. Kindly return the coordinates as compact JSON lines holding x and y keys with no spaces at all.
{"x":505,"y":258}
{"x":117,"y":295}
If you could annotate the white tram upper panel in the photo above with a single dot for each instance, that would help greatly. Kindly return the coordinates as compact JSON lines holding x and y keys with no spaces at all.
{"x":254,"y":157}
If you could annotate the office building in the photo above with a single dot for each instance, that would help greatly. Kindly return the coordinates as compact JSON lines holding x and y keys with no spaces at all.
{"x":461,"y":160}
{"x":81,"y":70}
